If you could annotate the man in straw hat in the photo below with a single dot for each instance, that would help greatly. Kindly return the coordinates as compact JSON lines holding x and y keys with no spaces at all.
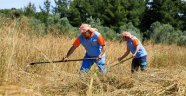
{"x":136,"y":48}
{"x":94,"y":44}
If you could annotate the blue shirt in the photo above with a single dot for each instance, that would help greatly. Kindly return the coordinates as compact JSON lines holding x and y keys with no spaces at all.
{"x":141,"y":52}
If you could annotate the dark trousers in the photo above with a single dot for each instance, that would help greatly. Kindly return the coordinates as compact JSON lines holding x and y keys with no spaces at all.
{"x":139,"y":62}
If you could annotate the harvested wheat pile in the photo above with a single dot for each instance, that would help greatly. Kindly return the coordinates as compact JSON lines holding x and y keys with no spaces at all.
{"x":150,"y":83}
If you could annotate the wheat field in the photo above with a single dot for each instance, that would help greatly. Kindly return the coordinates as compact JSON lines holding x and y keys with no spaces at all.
{"x":166,"y":74}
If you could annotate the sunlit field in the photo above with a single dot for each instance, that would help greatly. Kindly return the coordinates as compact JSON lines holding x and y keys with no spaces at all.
{"x":166,"y":74}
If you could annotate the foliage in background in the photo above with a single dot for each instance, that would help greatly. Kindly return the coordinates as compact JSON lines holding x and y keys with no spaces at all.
{"x":164,"y":11}
{"x":106,"y":32}
{"x":165,"y":33}
{"x":11,"y":13}
{"x":30,"y":10}
{"x":109,"y":17}
{"x":182,"y":39}
{"x":133,"y":30}
{"x":112,"y":13}
{"x":37,"y":26}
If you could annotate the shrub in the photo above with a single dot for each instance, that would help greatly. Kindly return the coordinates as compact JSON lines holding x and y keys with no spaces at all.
{"x":67,"y":28}
{"x":106,"y":32}
{"x":133,"y":30}
{"x":165,"y":33}
{"x":182,"y":40}
{"x":37,"y":26}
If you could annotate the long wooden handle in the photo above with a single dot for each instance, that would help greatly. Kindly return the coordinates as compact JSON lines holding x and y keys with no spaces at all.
{"x":63,"y":61}
{"x":120,"y":62}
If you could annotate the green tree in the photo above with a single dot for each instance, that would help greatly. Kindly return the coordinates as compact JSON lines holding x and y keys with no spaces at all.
{"x":111,"y":13}
{"x":114,"y":14}
{"x":84,"y":9}
{"x":75,"y":14}
{"x":164,"y":11}
{"x":182,"y":14}
{"x":30,"y":10}
{"x":44,"y":14}
{"x":61,"y":7}
{"x":135,"y":9}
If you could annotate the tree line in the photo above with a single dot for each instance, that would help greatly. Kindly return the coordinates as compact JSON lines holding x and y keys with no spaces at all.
{"x":148,"y":19}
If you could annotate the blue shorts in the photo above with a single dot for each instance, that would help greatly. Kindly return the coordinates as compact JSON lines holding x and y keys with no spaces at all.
{"x":87,"y":64}
{"x":139,"y":62}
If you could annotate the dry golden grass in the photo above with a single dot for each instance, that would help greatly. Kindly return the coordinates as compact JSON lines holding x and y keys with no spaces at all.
{"x":166,"y":74}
